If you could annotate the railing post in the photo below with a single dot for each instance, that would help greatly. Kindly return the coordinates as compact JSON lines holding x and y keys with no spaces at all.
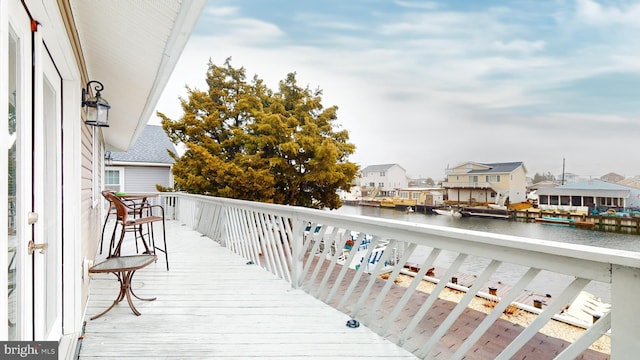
{"x":224,"y":225}
{"x":297,"y":256}
{"x":625,"y":318}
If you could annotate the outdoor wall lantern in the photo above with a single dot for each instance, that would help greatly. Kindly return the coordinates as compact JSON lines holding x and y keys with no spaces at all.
{"x":108,"y":160}
{"x":96,"y":108}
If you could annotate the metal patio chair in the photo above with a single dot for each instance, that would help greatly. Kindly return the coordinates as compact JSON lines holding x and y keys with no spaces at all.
{"x":138,"y":218}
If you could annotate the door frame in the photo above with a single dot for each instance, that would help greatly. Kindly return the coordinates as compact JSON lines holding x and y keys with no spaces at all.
{"x":48,"y":198}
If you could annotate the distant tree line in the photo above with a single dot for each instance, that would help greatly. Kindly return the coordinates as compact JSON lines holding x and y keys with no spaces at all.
{"x":543,"y":177}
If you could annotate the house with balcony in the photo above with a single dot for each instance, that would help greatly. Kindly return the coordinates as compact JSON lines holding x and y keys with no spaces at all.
{"x":79,"y":78}
{"x":491,"y":183}
{"x":382,"y":180}
{"x":146,"y":164}
{"x":247,"y":278}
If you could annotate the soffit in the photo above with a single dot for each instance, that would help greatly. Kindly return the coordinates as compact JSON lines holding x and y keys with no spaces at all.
{"x":131,"y":47}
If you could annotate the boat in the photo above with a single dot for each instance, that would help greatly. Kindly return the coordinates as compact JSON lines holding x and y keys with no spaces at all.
{"x":490,"y":215}
{"x":360,"y":245}
{"x":485,"y":212}
{"x":556,"y":220}
{"x":565,"y":221}
{"x":448,"y":211}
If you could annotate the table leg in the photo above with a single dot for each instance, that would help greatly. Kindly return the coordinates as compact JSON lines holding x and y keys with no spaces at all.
{"x":117,"y":300}
{"x":125,"y":291}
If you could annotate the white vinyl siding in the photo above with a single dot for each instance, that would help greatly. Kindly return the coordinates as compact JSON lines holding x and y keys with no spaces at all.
{"x":142,"y":179}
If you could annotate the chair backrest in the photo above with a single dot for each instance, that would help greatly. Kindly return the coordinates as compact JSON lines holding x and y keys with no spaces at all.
{"x":122,"y":210}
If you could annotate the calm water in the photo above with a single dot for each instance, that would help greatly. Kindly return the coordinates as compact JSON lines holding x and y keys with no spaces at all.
{"x":545,"y":283}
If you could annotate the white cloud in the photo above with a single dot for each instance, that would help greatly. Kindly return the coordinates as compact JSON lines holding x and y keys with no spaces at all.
{"x":426,"y":87}
{"x":593,"y":13}
{"x":520,"y":46}
{"x":428,"y":5}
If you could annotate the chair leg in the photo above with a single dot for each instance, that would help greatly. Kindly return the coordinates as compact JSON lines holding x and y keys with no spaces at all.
{"x":164,"y":239}
{"x":117,"y":250}
{"x":112,"y":243}
{"x":144,"y":242}
{"x":103,"y":228}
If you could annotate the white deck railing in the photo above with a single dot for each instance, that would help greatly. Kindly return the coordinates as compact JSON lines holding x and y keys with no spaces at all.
{"x":281,"y":239}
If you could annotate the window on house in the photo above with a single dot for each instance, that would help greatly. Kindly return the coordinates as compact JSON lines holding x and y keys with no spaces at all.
{"x":588,"y":201}
{"x":113,"y":180}
{"x":381,"y":184}
{"x":372,"y":184}
{"x":382,"y":173}
{"x":415,"y":196}
{"x":404,"y":195}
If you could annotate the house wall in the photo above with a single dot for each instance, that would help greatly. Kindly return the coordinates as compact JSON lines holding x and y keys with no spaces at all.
{"x":144,"y":178}
{"x":90,"y":206}
{"x":518,"y":186}
{"x":394,"y":177}
{"x":515,"y":183}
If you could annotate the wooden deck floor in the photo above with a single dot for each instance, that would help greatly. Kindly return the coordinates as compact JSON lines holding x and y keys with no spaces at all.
{"x":211,"y":304}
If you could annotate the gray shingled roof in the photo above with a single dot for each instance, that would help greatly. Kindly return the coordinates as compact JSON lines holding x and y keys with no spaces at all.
{"x":499,"y":168}
{"x":151,"y":147}
{"x":381,"y":167}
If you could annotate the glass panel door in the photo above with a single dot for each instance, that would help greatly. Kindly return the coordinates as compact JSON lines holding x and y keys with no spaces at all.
{"x":13,"y":188}
{"x":18,"y":170}
{"x":48,"y":202}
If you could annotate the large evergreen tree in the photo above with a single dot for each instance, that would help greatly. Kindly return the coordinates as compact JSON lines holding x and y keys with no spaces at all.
{"x":245,"y":141}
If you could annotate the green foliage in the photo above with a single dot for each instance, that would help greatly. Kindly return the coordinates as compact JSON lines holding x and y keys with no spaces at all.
{"x":161,"y":188}
{"x":245,"y":141}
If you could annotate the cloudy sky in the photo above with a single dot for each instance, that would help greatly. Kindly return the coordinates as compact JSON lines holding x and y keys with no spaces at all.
{"x":431,"y":84}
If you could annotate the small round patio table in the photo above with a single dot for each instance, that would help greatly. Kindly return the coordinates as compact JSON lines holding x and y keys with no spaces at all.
{"x":123,"y":267}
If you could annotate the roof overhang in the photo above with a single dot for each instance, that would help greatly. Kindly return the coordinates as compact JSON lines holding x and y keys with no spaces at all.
{"x":132,"y":47}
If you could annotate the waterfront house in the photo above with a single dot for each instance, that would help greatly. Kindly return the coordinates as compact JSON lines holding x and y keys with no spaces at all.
{"x":612,"y":177}
{"x":142,"y":167}
{"x":492,"y":183}
{"x":568,"y":178}
{"x":382,"y":180}
{"x":588,"y":196}
{"x":419,"y":196}
{"x":59,"y":59}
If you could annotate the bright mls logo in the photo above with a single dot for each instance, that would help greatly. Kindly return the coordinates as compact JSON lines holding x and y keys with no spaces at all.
{"x":45,"y":350}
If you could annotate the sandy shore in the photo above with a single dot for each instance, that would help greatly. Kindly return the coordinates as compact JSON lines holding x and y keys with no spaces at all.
{"x":553,"y":328}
